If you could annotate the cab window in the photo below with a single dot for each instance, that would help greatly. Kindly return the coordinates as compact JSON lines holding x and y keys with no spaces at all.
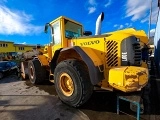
{"x":72,"y":29}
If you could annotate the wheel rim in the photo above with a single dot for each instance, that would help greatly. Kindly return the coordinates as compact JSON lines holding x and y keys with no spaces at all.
{"x":31,"y":72}
{"x":66,"y":84}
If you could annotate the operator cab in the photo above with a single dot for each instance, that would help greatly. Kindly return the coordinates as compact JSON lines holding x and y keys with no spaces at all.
{"x":63,"y":29}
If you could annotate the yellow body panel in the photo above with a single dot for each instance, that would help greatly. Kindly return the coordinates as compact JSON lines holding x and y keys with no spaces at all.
{"x":138,"y":33}
{"x":92,"y":54}
{"x":43,"y":59}
{"x":47,"y":52}
{"x":128,"y":79}
{"x":116,"y":76}
{"x":144,"y":64}
{"x":97,"y":52}
{"x":97,"y":46}
{"x":141,"y":35}
{"x":127,"y":30}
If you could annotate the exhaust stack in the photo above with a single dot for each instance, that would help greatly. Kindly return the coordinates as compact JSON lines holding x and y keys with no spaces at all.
{"x":98,"y":23}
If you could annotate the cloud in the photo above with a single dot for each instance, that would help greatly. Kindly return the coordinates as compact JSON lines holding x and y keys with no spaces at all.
{"x":121,"y":26}
{"x":152,"y":32}
{"x":153,"y":16}
{"x":3,"y":1}
{"x":91,"y":10}
{"x":17,"y":22}
{"x":108,"y":3}
{"x":127,"y":25}
{"x":22,"y":43}
{"x":139,"y":10}
{"x":136,"y":9}
{"x":115,"y":25}
{"x":92,"y":4}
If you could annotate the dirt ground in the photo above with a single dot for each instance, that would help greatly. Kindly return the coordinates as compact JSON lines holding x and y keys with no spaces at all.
{"x":19,"y":100}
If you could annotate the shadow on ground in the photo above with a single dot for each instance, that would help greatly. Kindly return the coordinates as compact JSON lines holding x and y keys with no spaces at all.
{"x":47,"y":86}
{"x":39,"y":108}
{"x":101,"y":105}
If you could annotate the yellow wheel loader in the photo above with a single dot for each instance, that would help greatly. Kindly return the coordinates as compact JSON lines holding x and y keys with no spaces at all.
{"x":79,"y":61}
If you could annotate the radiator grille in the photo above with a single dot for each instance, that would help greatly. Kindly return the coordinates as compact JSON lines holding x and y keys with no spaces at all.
{"x":111,"y":53}
{"x":137,"y":55}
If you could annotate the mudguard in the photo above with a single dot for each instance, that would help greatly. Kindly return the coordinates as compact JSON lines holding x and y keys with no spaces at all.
{"x":95,"y":73}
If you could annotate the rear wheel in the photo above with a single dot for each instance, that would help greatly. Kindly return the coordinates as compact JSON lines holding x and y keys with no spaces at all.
{"x":72,"y":82}
{"x":36,"y":72}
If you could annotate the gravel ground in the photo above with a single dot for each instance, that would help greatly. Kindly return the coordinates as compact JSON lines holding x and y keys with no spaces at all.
{"x":19,"y":100}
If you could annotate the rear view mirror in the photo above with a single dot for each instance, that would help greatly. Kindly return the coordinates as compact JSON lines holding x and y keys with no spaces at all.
{"x":46,"y":27}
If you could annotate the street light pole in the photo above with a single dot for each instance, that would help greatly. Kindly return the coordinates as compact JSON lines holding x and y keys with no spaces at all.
{"x":150,"y":16}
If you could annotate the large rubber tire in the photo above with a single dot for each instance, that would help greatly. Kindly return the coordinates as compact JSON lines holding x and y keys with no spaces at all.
{"x":82,"y":85}
{"x":24,"y":70}
{"x":36,"y":72}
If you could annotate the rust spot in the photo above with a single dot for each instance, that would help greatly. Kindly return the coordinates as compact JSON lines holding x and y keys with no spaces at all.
{"x":141,"y":73}
{"x":130,"y":76}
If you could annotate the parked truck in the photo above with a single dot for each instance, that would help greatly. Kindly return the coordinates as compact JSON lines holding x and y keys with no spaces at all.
{"x":79,"y":61}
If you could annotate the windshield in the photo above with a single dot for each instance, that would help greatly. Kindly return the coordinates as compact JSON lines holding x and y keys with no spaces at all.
{"x":72,"y":29}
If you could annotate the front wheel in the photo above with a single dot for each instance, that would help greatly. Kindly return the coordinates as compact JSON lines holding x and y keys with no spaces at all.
{"x":72,"y":82}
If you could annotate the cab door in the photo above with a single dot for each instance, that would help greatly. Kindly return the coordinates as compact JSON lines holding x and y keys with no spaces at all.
{"x":56,"y":36}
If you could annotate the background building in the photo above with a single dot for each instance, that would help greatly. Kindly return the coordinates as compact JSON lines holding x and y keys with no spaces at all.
{"x":10,"y":50}
{"x":7,"y":46}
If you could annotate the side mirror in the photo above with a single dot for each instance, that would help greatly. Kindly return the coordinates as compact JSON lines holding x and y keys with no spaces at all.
{"x":46,"y":27}
{"x":87,"y":33}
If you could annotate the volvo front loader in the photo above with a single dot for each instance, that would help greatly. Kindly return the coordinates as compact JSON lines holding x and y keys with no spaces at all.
{"x":79,"y":61}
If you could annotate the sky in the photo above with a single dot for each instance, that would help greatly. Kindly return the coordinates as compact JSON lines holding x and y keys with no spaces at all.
{"x":22,"y":21}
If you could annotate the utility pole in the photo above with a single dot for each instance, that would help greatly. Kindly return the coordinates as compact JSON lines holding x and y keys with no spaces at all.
{"x":150,"y":16}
